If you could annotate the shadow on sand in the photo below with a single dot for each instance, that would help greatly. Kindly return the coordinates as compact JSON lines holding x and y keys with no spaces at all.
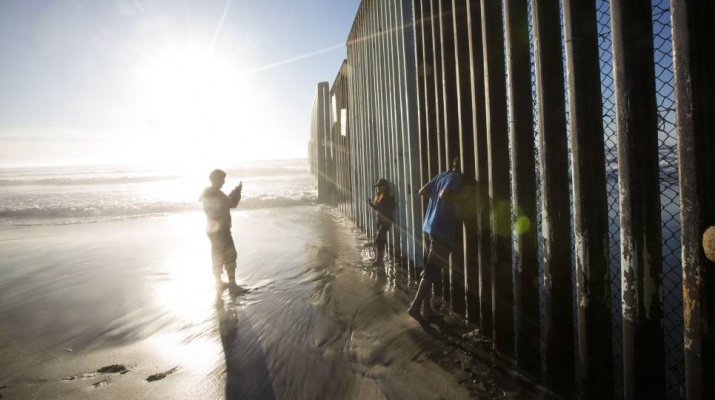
{"x":247,"y":374}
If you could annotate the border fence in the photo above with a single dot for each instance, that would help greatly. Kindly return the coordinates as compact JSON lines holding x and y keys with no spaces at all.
{"x":585,"y":132}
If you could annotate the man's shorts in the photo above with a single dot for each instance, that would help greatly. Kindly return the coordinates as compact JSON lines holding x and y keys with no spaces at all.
{"x":437,"y":259}
{"x":223,"y":251}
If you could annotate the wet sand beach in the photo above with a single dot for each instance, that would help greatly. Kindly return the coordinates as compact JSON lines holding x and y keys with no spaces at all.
{"x":127,"y":309}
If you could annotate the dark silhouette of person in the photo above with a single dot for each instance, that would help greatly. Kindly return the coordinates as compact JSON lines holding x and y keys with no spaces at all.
{"x":440,"y":226}
{"x":217,"y":207}
{"x":384,"y":204}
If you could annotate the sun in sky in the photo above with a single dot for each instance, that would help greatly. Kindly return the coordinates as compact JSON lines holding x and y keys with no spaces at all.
{"x":137,"y":82}
{"x":197,"y":105}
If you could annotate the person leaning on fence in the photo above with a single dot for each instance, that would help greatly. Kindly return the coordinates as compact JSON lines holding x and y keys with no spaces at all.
{"x":440,"y":226}
{"x":217,"y":207}
{"x":384,"y":204}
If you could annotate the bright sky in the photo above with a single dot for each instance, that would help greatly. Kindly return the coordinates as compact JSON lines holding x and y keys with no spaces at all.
{"x":163,"y":81}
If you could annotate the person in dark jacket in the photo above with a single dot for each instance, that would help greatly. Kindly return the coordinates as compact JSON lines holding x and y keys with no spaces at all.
{"x":384,"y":205}
{"x":217,"y":207}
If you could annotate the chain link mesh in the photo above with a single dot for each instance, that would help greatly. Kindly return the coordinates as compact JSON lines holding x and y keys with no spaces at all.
{"x":670,"y":201}
{"x":670,"y":205}
{"x":611,"y":149}
{"x":672,"y":270}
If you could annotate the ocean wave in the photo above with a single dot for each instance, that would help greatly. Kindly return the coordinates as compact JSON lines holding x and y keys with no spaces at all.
{"x":86,"y":177}
{"x":65,"y":212}
{"x":123,"y":180}
{"x":51,"y":215}
{"x":83,"y":181}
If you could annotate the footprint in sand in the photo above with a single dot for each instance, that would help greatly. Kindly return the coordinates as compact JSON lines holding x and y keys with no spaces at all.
{"x":110,"y":369}
{"x":161,"y":375}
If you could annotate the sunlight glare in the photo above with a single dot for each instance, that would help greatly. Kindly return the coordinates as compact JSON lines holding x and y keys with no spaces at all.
{"x":196,"y":104}
{"x":181,"y":84}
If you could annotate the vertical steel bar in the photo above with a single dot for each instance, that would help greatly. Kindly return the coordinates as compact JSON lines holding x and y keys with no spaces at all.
{"x":428,"y":17}
{"x":450,"y":110}
{"x":362,"y":136}
{"x":400,"y":26}
{"x":399,"y":158}
{"x":367,"y":120}
{"x":443,"y":288}
{"x":523,"y":186}
{"x":325,"y":129}
{"x":410,"y":63}
{"x":436,"y":15}
{"x":396,"y":125}
{"x":405,"y":73}
{"x":350,"y":84}
{"x":554,"y":168}
{"x":379,"y":164}
{"x":430,"y":133}
{"x":395,"y":131}
{"x":595,"y":361}
{"x":435,"y":132}
{"x":638,"y":174}
{"x":421,"y":51}
{"x":385,"y":95}
{"x":359,"y":136}
{"x":498,"y":160}
{"x":694,"y":63}
{"x":467,"y":153}
{"x":476,"y":51}
{"x":372,"y":125}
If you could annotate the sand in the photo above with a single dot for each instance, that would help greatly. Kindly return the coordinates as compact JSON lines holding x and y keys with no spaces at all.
{"x":127,"y":309}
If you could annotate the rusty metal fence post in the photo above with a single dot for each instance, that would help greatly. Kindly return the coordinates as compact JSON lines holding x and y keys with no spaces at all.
{"x":467,"y":153}
{"x":523,"y":186}
{"x":498,"y":160}
{"x":411,"y":117}
{"x":476,"y":54}
{"x":641,"y":268}
{"x":556,"y":222}
{"x":694,"y":61}
{"x":450,"y":111}
{"x":595,"y":379}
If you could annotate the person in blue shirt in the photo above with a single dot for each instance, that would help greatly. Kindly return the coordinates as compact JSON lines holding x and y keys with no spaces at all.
{"x":384,"y":204}
{"x":217,"y":207}
{"x":441,"y":224}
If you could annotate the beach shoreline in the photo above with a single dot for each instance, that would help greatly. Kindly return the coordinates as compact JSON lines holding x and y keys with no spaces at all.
{"x":127,"y":309}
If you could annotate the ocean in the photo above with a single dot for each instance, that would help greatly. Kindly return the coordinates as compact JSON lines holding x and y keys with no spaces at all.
{"x":86,"y":194}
